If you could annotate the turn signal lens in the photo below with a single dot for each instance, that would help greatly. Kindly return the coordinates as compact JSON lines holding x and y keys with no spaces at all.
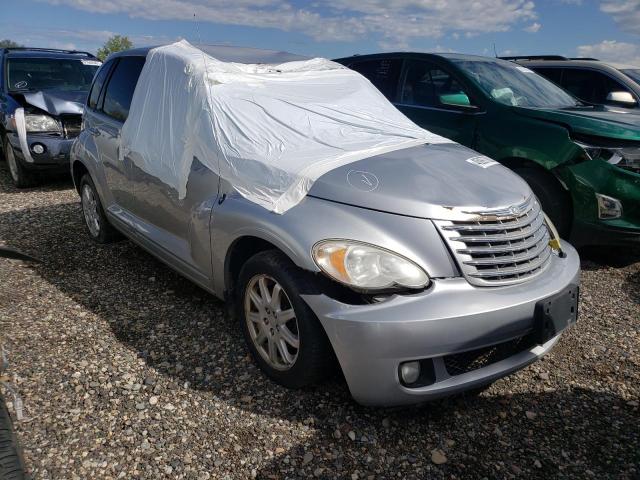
{"x":608,"y":207}
{"x":367,"y":267}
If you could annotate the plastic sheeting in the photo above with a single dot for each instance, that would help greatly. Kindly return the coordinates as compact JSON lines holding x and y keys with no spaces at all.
{"x":270,"y":130}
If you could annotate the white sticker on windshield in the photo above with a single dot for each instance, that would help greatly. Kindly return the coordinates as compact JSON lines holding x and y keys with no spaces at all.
{"x":94,"y":63}
{"x":482,"y":161}
{"x":525,"y":70}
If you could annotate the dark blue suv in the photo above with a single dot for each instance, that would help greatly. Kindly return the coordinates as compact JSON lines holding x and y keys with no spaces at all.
{"x":42,"y":94}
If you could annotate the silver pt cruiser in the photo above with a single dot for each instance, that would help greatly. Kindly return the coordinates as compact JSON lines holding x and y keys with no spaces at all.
{"x":421,"y":271}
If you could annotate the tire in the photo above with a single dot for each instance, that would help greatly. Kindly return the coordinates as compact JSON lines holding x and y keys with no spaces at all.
{"x":20,"y":177}
{"x":11,"y":463}
{"x":95,"y":220}
{"x":555,"y":201}
{"x":314,"y":358}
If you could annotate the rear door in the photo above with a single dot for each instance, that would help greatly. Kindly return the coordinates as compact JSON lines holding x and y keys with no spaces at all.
{"x":421,"y":89}
{"x":384,"y":73}
{"x":108,"y":116}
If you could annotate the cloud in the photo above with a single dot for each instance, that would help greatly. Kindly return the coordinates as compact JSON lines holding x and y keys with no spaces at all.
{"x":89,"y":40}
{"x":392,"y":22}
{"x":533,"y":28}
{"x":626,"y":13}
{"x":612,"y":51}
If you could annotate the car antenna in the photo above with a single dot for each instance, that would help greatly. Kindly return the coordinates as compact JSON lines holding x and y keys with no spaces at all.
{"x":495,"y":52}
{"x":204,"y":55}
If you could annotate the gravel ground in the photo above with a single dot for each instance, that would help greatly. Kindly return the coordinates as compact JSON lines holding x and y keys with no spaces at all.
{"x":129,"y":371}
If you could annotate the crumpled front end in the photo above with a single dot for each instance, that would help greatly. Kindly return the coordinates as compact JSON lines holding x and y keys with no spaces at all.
{"x":44,"y":126}
{"x":605,"y":186}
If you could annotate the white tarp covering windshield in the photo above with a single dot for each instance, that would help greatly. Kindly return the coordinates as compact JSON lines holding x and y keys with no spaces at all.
{"x":270,"y":130}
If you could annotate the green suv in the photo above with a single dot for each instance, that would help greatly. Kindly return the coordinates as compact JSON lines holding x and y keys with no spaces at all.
{"x":581,"y":160}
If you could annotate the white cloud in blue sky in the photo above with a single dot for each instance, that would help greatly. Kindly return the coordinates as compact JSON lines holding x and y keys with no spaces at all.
{"x":625,"y":12}
{"x":339,"y":27}
{"x":613,"y":51}
{"x":331,"y":20}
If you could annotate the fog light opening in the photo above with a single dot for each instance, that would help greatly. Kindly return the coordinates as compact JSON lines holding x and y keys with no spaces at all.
{"x":37,"y":148}
{"x":608,"y":207}
{"x":410,"y":372}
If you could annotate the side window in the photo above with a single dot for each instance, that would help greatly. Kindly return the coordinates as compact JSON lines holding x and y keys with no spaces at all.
{"x":552,"y":74}
{"x":589,"y":85}
{"x":117,"y":97}
{"x":96,"y":88}
{"x":425,"y":83}
{"x":383,"y":73}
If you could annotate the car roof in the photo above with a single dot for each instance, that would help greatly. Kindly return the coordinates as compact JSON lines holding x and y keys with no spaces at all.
{"x":228,"y":53}
{"x":576,"y":62}
{"x":25,"y":52}
{"x":444,"y":55}
{"x":624,"y":66}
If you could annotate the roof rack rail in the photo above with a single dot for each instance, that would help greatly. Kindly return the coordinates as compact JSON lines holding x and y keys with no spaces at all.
{"x":52,"y":50}
{"x":585,"y":58}
{"x":535,"y":57}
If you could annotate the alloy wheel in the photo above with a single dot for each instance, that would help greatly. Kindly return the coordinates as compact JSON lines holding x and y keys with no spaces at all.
{"x":90,"y":210}
{"x":272,"y":322}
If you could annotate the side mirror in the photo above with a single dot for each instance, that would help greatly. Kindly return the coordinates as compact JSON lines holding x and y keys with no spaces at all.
{"x":624,"y":98}
{"x":456,"y":100}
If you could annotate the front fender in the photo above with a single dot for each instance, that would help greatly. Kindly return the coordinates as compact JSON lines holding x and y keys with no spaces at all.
{"x":296,"y":231}
{"x":85,"y":151}
{"x":546,"y":144}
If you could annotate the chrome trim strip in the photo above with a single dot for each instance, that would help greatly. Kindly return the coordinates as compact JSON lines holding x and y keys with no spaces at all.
{"x":499,"y":272}
{"x":505,"y":260}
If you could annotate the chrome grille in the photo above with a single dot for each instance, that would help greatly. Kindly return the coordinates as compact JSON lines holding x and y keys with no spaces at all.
{"x":500,"y":247}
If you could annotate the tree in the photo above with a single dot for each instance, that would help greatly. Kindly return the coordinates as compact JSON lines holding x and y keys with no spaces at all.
{"x":6,"y":43}
{"x":117,"y":43}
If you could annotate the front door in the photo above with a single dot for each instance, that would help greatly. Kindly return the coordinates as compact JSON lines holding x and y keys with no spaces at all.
{"x":107,"y":120}
{"x":433,"y":98}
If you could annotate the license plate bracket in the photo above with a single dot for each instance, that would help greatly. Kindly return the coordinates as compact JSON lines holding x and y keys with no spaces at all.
{"x":556,"y":313}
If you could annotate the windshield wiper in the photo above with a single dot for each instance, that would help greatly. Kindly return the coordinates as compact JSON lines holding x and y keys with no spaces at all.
{"x":23,"y":90}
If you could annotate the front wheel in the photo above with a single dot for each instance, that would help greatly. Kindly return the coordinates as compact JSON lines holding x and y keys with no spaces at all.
{"x":98,"y":226}
{"x":282,"y":333}
{"x":20,"y":177}
{"x":554,"y":200}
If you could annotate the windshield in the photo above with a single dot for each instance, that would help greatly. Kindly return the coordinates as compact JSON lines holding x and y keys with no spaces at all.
{"x":50,"y":74}
{"x":634,"y":73}
{"x":514,"y":85}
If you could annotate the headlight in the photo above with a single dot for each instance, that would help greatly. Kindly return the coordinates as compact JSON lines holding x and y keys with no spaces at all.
{"x":554,"y":237}
{"x":367,"y":267}
{"x":623,"y":157}
{"x":41,"y":123}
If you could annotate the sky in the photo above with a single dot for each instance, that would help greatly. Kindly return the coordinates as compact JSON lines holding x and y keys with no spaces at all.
{"x":605,"y":29}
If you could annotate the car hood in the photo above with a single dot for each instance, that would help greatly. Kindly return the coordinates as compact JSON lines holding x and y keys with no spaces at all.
{"x":57,"y":102}
{"x":430,"y":181}
{"x":597,"y":121}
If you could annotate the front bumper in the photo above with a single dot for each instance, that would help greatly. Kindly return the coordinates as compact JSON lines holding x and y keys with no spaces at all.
{"x":597,"y":176}
{"x":605,"y":232}
{"x":55,"y":156}
{"x":449,"y":318}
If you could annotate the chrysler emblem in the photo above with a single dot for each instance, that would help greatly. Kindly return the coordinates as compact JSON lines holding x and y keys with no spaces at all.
{"x":365,"y":181}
